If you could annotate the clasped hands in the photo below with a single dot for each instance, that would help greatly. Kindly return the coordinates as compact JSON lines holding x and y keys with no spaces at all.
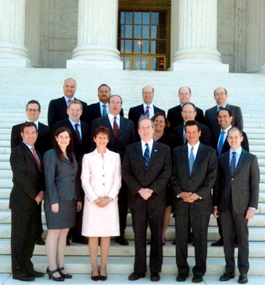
{"x":189,"y":197}
{"x":102,"y":201}
{"x":145,"y":193}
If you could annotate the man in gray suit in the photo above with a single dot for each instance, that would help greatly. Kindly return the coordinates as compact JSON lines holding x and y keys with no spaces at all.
{"x":236,"y":195}
{"x":193,"y":176}
{"x":220,"y":96}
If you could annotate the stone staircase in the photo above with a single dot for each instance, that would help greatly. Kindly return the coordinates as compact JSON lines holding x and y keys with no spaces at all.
{"x":21,"y":85}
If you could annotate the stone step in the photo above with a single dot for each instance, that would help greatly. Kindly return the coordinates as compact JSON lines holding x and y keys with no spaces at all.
{"x":4,"y":157}
{"x":121,"y":279}
{"x":255,"y":233}
{"x":256,"y":249}
{"x":124,"y":266}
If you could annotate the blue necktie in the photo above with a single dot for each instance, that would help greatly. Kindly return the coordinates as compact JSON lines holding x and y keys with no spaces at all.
{"x":221,"y":143}
{"x":147,"y":111}
{"x":146,"y":156}
{"x":104,"y":113}
{"x":191,"y":160}
{"x":233,"y":164}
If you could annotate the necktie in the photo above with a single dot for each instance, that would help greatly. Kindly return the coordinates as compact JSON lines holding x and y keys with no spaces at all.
{"x":147,"y":111}
{"x":221,"y":143}
{"x":77,"y":132}
{"x":146,"y":156}
{"x":36,"y":157}
{"x":184,"y":137}
{"x":68,"y":101}
{"x":104,"y":113}
{"x":191,"y":160}
{"x":233,"y":163}
{"x":115,"y":128}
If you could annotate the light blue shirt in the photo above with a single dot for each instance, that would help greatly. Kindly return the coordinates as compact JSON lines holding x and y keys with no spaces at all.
{"x":223,"y":106}
{"x":238,"y":154}
{"x":78,"y":127}
{"x":101,"y":108}
{"x":151,"y":110}
{"x":67,"y":99}
{"x":150,"y":144}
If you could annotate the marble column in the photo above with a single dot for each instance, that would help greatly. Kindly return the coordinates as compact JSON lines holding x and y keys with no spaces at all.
{"x":197,"y":37}
{"x":97,"y":36}
{"x":12,"y":34}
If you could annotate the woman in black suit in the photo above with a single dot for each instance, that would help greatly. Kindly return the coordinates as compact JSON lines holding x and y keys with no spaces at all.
{"x":161,"y":135}
{"x":60,"y":201}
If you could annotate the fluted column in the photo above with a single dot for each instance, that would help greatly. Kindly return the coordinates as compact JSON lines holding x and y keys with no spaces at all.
{"x":12,"y":34}
{"x":197,"y":44}
{"x":97,"y":36}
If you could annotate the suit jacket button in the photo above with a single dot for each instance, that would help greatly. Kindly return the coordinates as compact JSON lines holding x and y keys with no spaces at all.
{"x":72,"y":181}
{"x":232,"y":179}
{"x":189,"y":181}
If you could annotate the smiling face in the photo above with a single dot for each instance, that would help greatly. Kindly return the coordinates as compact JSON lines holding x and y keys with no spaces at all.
{"x":148,"y":95}
{"x":63,"y":140}
{"x":69,"y":88}
{"x":33,"y":112}
{"x":146,"y":130}
{"x":160,"y":124}
{"x":220,"y":96}
{"x":234,"y":139}
{"x":184,"y":95}
{"x":192,"y":134}
{"x":29,"y":135}
{"x":224,"y":119}
{"x":74,"y":111}
{"x":101,"y":140}
{"x":188,"y":113}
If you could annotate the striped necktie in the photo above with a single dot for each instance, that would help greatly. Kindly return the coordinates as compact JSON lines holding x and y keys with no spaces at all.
{"x":147,"y":111}
{"x":233,"y":163}
{"x":146,"y":156}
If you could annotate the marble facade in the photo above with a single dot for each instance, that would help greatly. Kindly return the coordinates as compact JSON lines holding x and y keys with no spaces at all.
{"x":221,"y":34}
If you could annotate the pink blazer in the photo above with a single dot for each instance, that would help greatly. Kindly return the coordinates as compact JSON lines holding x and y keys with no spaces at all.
{"x":101,"y":177}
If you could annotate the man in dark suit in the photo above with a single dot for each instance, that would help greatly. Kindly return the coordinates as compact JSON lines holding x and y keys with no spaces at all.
{"x":220,"y":143}
{"x":57,"y":107}
{"x":147,"y":108}
{"x":174,"y":115}
{"x":122,"y":133}
{"x":220,"y":96}
{"x":81,"y":137}
{"x":101,"y":108}
{"x":235,"y":198}
{"x":194,"y":174}
{"x":146,"y":171}
{"x":189,"y":113}
{"x":26,"y":195}
{"x":42,"y":144}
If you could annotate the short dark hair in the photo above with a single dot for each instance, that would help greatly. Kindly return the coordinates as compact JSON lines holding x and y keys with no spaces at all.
{"x":115,"y":95}
{"x":193,"y":123}
{"x":184,"y":87}
{"x":104,"y":85}
{"x":33,"y":102}
{"x":28,"y":124}
{"x":219,"y":88}
{"x":225,"y":109}
{"x":189,"y":103}
{"x":163,"y":115}
{"x":235,"y":129}
{"x":103,"y":130}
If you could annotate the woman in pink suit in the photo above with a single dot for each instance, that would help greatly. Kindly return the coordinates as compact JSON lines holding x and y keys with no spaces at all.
{"x":101,"y":181}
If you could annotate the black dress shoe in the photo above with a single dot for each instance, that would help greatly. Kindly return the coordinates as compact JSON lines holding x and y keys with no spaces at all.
{"x":217,"y":243}
{"x":23,"y":277}
{"x":40,"y":241}
{"x":181,"y":277}
{"x":103,"y":277}
{"x":50,"y":273}
{"x":135,"y":276}
{"x":34,"y":273}
{"x":227,"y":276}
{"x":95,"y":278}
{"x":64,"y":275}
{"x":154,"y":276}
{"x":197,"y":279}
{"x":121,"y":240}
{"x":243,"y":279}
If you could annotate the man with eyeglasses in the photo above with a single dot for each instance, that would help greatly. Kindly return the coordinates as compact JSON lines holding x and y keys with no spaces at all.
{"x":33,"y":110}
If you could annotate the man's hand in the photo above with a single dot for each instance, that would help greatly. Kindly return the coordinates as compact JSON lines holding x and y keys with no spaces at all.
{"x":78,"y":206}
{"x":183,"y":195}
{"x":216,"y":213}
{"x":145,"y":193}
{"x":39,"y":197}
{"x":250,"y":214}
{"x":191,"y":198}
{"x":55,"y":208}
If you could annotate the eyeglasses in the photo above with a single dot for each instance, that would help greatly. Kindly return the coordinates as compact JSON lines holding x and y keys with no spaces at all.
{"x":33,"y":110}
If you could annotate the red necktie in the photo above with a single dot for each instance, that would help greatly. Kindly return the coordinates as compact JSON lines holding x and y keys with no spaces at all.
{"x":77,"y":132}
{"x":115,"y":128}
{"x":36,"y":157}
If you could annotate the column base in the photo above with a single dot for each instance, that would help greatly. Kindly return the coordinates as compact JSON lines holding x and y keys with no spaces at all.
{"x":200,"y":67}
{"x":94,"y":64}
{"x":9,"y":62}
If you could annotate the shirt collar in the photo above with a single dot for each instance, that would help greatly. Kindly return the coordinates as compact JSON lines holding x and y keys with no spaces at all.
{"x":111,"y":117}
{"x":67,"y":99}
{"x":238,"y":151}
{"x":74,"y":123}
{"x":145,"y":105}
{"x":223,"y":106}
{"x":36,"y":123}
{"x":195,"y":147}
{"x":226,"y":130}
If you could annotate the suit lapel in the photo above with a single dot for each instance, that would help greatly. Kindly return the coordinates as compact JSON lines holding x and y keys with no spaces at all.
{"x":185,"y":160}
{"x":242,"y":160}
{"x":139,"y":154}
{"x":122,"y":123}
{"x":199,"y":159}
{"x":30,"y":155}
{"x":98,"y":111}
{"x":154,"y":154}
